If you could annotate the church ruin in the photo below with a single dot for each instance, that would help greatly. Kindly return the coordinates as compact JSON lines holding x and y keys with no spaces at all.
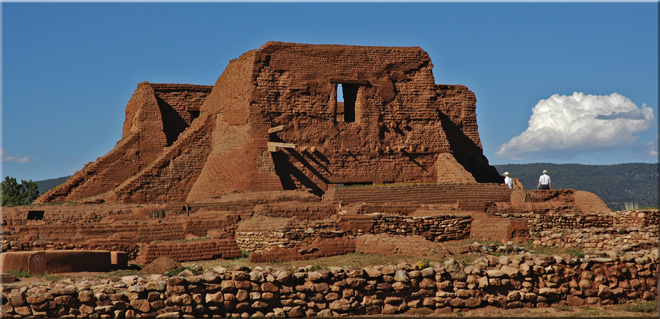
{"x":290,"y":116}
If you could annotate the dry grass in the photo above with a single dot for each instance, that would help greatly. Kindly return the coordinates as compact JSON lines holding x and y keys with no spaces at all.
{"x":347,"y":260}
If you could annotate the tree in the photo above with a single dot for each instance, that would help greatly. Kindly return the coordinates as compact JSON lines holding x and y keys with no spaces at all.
{"x":15,"y":194}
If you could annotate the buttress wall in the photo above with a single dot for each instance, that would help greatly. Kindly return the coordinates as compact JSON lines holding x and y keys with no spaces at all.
{"x":155,"y":116}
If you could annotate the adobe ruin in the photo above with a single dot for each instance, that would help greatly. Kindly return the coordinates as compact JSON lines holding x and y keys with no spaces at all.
{"x":275,"y":120}
{"x":208,"y":173}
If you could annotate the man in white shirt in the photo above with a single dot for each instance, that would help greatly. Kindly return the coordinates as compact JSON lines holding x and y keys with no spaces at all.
{"x":507,"y":180}
{"x":544,"y":181}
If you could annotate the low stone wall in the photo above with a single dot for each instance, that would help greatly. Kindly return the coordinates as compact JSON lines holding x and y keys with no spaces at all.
{"x":432,"y":228}
{"x":537,"y":222}
{"x":261,"y":233}
{"x":190,"y":250}
{"x":515,"y":281}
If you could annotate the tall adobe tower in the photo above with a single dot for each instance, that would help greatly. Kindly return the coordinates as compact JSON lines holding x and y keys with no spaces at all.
{"x":290,"y":116}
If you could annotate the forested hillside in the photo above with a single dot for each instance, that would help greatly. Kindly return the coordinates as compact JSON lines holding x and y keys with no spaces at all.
{"x":47,"y":184}
{"x":615,"y":184}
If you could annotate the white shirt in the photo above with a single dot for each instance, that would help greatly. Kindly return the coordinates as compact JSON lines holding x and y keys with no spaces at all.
{"x":544,"y":179}
{"x":508,"y":181}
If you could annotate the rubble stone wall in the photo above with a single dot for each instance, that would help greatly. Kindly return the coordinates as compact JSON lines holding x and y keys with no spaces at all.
{"x":516,"y":281}
{"x":559,"y":219}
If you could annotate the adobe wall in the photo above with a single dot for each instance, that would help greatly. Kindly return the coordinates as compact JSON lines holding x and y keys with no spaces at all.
{"x":54,"y":262}
{"x":467,"y":196}
{"x":517,"y":281}
{"x":107,"y":227}
{"x":204,"y":249}
{"x":396,"y":134}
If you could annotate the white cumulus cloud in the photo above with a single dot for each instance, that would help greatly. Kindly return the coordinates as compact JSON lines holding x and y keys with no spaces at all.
{"x":9,"y":158}
{"x":579,"y":122}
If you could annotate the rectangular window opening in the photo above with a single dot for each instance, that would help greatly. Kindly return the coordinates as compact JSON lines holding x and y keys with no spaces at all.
{"x":35,"y":215}
{"x":347,"y":93}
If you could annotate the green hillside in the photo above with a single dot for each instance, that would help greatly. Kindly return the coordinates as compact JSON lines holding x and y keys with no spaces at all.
{"x":615,"y":184}
{"x":47,"y":184}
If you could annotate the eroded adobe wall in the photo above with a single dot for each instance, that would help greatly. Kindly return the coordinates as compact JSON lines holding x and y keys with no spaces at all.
{"x":113,"y":227}
{"x":155,"y":116}
{"x":190,"y":250}
{"x":238,"y":158}
{"x":457,"y":105}
{"x":189,"y":142}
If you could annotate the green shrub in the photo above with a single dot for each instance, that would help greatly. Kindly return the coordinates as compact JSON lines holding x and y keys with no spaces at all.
{"x":574,"y":251}
{"x":19,"y":273}
{"x":52,"y":277}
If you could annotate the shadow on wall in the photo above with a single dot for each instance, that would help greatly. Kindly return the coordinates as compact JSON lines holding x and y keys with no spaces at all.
{"x":468,"y":154}
{"x":289,"y":173}
{"x":173,"y":123}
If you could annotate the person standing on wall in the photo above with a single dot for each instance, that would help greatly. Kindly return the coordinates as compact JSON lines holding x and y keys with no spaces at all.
{"x":507,"y":180}
{"x":544,"y":181}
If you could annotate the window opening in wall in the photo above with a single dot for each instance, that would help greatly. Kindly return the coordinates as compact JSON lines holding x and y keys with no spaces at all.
{"x":35,"y":215}
{"x":348,"y":94}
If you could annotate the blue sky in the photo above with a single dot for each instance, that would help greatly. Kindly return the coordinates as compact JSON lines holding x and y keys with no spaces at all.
{"x":68,"y":69}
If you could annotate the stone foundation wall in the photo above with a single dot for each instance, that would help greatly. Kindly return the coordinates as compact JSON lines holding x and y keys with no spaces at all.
{"x":517,"y":281}
{"x":559,"y":220}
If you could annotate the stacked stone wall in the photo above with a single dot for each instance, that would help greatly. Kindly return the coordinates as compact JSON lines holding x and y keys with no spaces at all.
{"x":561,"y":220}
{"x":517,"y":281}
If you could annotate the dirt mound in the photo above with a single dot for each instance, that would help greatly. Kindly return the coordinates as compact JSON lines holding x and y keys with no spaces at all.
{"x":161,"y":265}
{"x":413,"y":245}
